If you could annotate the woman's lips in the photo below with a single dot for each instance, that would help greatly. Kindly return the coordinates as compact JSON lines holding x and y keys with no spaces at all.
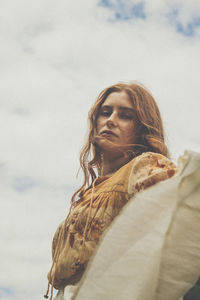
{"x":108,"y":133}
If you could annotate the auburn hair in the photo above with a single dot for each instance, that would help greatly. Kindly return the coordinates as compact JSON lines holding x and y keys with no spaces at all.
{"x":150,"y":135}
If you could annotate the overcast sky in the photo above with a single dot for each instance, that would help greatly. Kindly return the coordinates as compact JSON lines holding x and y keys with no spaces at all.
{"x":55,"y":58}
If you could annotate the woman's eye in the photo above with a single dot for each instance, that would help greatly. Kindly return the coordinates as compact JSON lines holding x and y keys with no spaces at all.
{"x":105,"y":113}
{"x":126,"y":116}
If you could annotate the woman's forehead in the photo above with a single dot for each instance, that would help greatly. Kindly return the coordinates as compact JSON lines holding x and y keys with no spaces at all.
{"x":119,"y":99}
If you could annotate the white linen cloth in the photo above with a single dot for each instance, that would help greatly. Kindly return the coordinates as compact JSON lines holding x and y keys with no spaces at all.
{"x":66,"y":294}
{"x":151,"y":251}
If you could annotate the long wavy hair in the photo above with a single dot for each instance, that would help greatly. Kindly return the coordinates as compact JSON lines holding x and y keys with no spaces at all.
{"x":150,"y":135}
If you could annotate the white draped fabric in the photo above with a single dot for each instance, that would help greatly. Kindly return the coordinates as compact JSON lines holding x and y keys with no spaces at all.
{"x":152,"y":249}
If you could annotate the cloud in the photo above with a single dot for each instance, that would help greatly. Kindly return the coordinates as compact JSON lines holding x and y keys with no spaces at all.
{"x":55,"y":58}
{"x":124,"y":11}
{"x":22,"y":184}
{"x":183,"y":18}
{"x":5,"y":292}
{"x":188,"y":28}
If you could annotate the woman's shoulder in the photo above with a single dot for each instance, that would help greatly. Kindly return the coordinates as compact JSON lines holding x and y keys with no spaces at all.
{"x":151,"y":158}
{"x":148,"y":169}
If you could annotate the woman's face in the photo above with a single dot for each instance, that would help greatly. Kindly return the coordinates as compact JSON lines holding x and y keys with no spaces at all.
{"x":116,"y":120}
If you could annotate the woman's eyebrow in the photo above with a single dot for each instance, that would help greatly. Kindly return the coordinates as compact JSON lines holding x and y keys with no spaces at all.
{"x":126,"y":108}
{"x":106,"y":106}
{"x":120,"y":107}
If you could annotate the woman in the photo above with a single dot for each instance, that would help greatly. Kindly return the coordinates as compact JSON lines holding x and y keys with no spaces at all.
{"x":128,"y":154}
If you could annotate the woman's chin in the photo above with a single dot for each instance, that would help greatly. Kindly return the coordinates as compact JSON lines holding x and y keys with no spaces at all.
{"x":107,"y":144}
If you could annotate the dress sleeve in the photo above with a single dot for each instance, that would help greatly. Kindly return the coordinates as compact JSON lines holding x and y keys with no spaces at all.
{"x":148,"y":169}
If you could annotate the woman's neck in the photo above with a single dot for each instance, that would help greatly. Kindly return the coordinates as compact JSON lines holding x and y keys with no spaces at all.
{"x":110,"y":165}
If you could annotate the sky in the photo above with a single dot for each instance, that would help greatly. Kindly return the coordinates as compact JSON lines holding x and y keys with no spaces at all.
{"x":55,"y":58}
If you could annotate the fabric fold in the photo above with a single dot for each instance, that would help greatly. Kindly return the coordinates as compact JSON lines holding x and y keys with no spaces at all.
{"x":152,"y":249}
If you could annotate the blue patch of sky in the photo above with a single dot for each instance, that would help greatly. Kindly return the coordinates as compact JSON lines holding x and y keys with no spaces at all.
{"x":122,"y":11}
{"x":22,"y":184}
{"x":188,"y":29}
{"x":5,"y":291}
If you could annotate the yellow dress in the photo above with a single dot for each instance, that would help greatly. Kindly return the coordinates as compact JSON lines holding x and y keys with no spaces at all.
{"x":79,"y":234}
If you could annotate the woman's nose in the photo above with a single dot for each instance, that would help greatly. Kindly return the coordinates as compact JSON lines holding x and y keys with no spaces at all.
{"x":112,"y":120}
